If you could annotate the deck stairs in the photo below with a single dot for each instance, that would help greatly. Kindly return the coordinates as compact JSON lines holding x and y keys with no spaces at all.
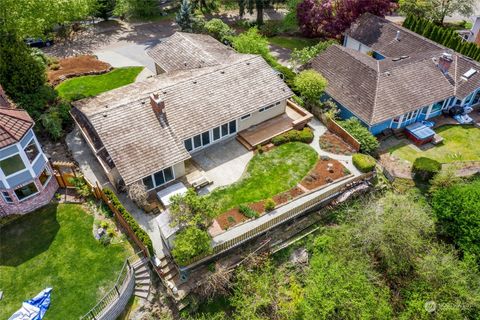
{"x":143,"y":279}
{"x":244,"y":142}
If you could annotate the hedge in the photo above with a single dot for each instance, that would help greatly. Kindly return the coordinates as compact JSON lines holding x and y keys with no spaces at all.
{"x":425,"y":168}
{"x":368,"y":142}
{"x":139,"y":232}
{"x":363,"y":162}
{"x":305,"y":136}
{"x":445,"y":36}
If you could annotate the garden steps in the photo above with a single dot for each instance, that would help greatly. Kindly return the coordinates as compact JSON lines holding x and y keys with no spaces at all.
{"x":142,"y":279}
{"x":244,"y":142}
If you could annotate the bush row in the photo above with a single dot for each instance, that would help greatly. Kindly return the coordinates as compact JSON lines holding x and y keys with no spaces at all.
{"x":368,"y":142}
{"x":305,"y":136}
{"x":139,"y":232}
{"x":363,"y":162}
{"x":447,"y":37}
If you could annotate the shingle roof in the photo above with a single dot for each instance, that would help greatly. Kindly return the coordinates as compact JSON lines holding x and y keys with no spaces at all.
{"x":377,"y":90}
{"x":184,"y":51}
{"x":14,"y":124}
{"x":195,"y":101}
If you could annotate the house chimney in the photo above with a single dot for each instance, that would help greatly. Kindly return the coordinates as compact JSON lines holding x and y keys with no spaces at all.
{"x":444,"y":62}
{"x":158,"y":105}
{"x":397,"y":36}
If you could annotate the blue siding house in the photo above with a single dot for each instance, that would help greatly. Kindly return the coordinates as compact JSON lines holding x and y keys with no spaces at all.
{"x":389,"y":77}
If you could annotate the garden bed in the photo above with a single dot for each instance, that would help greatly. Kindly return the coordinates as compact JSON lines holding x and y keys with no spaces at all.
{"x":75,"y":67}
{"x":332,"y":143}
{"x":321,"y":175}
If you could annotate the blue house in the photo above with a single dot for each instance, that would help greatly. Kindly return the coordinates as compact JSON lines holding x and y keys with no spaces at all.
{"x":389,"y":77}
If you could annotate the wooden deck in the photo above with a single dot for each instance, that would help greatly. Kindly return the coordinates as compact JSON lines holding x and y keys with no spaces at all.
{"x":293,"y":117}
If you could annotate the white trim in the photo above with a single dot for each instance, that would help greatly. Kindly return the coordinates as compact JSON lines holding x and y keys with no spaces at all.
{"x":400,"y":121}
{"x":5,"y":199}
{"x":30,"y":196}
{"x":50,"y":175}
{"x":427,"y":115}
{"x":152,"y":176}
{"x":38,"y":149}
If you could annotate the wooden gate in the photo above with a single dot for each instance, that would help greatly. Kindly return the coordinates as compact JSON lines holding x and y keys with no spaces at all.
{"x":64,"y":172}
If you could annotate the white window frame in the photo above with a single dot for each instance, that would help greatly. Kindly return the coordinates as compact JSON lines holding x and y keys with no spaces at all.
{"x":18,"y":172}
{"x":4,"y":197}
{"x":152,"y":176}
{"x":30,"y":196}
{"x":49,"y":176}
{"x":36,"y":145}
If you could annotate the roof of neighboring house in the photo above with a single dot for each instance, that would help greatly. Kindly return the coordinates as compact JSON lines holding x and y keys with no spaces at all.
{"x":378,"y":90}
{"x":195,"y":101}
{"x":14,"y":124}
{"x":184,"y":51}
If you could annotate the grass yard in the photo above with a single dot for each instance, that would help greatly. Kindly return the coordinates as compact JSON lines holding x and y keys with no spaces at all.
{"x":267,"y":174}
{"x":460,"y":143}
{"x":88,"y":86}
{"x":291,"y":42}
{"x":55,"y":247}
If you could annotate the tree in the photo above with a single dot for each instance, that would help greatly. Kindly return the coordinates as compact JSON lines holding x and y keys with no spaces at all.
{"x":251,"y":42}
{"x":300,"y":57}
{"x":436,"y":10}
{"x":311,"y":86}
{"x":185,"y":18}
{"x":190,"y":243}
{"x":136,"y":8}
{"x":368,"y":142}
{"x":457,"y":208}
{"x":415,"y":8}
{"x":218,"y":29}
{"x":20,"y":72}
{"x":250,"y":5}
{"x":330,"y":18}
{"x":191,"y":210}
{"x":104,"y":9}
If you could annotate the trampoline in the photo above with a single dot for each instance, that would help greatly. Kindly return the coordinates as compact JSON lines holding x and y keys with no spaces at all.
{"x":419,"y":133}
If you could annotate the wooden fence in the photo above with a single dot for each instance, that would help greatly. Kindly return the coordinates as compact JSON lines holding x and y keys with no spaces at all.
{"x":334,"y":127}
{"x":97,"y":191}
{"x":64,"y":172}
{"x":305,"y":206}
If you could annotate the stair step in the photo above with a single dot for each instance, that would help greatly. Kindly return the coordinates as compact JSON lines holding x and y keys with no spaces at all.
{"x":182,"y":305}
{"x":141,"y":294}
{"x":163,"y":262}
{"x":142,"y":289}
{"x":170,"y":275}
{"x":244,"y":142}
{"x":142,"y":282}
{"x":139,"y":264}
{"x":141,"y":269}
{"x":168,"y":268}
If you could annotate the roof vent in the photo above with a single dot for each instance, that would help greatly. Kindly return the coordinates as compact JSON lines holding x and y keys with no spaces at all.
{"x":222,"y":72}
{"x":164,"y":92}
{"x":467,"y":75}
{"x":104,"y":115}
{"x":185,"y":63}
{"x":397,"y":36}
{"x":248,"y":63}
{"x":387,"y":73}
{"x":194,"y":81}
{"x":396,"y":59}
{"x":404,"y":57}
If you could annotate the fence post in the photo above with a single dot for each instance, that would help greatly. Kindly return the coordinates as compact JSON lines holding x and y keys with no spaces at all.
{"x":116,"y":289}
{"x":93,"y":316}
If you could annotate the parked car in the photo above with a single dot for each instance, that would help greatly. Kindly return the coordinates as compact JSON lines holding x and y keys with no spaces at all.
{"x":38,"y":42}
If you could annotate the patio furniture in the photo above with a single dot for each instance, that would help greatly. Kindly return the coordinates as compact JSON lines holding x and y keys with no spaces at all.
{"x":164,"y":195}
{"x":419,"y":133}
{"x":200,"y":182}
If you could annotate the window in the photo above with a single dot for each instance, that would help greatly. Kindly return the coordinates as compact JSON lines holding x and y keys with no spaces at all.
{"x":216,"y":133}
{"x":26,"y":191}
{"x":12,"y":165}
{"x":159,"y":178}
{"x":411,"y":115}
{"x":44,"y":176}
{"x":278,"y":103}
{"x":437,"y":106}
{"x":233,"y":126}
{"x":197,"y":141}
{"x":188,"y":144}
{"x":267,"y":107}
{"x":224,"y":130}
{"x":396,"y":119}
{"x":424,"y":110}
{"x":206,"y":138}
{"x":148,"y":182}
{"x":245,"y":117}
{"x":6,"y":196}
{"x":31,"y":150}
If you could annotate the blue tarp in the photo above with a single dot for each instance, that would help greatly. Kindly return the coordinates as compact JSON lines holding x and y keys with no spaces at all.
{"x":35,"y":308}
{"x":420,"y":131}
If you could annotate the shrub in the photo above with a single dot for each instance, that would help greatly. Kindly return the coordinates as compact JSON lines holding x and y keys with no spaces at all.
{"x":311,"y":85}
{"x":271,"y":28}
{"x":137,"y":230}
{"x":190,"y":243}
{"x":302,"y":56}
{"x":81,"y":186}
{"x":363,"y":162}
{"x":305,"y":135}
{"x":247,"y":211}
{"x":425,"y":168}
{"x":368,"y":142}
{"x":444,"y":179}
{"x":218,"y":29}
{"x":269,"y":204}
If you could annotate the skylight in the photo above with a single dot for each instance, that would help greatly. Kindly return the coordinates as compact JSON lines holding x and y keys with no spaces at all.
{"x":467,"y":75}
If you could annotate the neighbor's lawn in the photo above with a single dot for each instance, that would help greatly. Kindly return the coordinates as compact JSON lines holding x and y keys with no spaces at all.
{"x":88,"y":86}
{"x":292,"y":42}
{"x":54,"y":247}
{"x":460,"y":143}
{"x":267,"y":174}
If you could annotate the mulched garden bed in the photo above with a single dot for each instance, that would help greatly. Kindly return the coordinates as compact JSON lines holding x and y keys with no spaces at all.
{"x":75,"y":67}
{"x":320,"y":175}
{"x":330,"y":142}
{"x":287,"y":196}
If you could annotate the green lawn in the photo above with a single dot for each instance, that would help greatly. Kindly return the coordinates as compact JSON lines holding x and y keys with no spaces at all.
{"x":88,"y":86}
{"x":460,"y":143}
{"x":268,"y":174}
{"x":291,"y":42}
{"x":55,"y":247}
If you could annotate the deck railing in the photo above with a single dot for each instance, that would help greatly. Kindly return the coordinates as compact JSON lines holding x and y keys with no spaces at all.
{"x":124,"y":280}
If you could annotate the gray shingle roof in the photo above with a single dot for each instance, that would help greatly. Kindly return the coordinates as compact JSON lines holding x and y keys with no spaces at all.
{"x":195,"y":101}
{"x":184,"y":51}
{"x":377,"y":90}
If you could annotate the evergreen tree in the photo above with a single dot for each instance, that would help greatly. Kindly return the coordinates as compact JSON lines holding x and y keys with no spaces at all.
{"x":184,"y":17}
{"x":434,"y":34}
{"x":104,"y":9}
{"x":408,"y":22}
{"x":428,"y":30}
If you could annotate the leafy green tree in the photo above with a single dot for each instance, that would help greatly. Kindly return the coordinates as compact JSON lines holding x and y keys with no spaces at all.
{"x":190,"y":243}
{"x":20,"y":71}
{"x":415,"y":8}
{"x":104,"y":9}
{"x":191,"y":210}
{"x":300,"y":57}
{"x":136,"y":8}
{"x":311,"y":86}
{"x":218,"y":29}
{"x":252,"y":42}
{"x":185,"y":18}
{"x":436,"y":10}
{"x":457,"y":208}
{"x":368,"y":142}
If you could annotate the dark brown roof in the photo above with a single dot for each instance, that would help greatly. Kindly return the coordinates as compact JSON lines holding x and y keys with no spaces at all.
{"x":377,"y":90}
{"x":185,"y":51}
{"x":195,"y":101}
{"x":14,"y":124}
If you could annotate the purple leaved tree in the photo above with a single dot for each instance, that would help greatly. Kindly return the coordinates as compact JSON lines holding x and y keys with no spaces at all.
{"x":330,"y":18}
